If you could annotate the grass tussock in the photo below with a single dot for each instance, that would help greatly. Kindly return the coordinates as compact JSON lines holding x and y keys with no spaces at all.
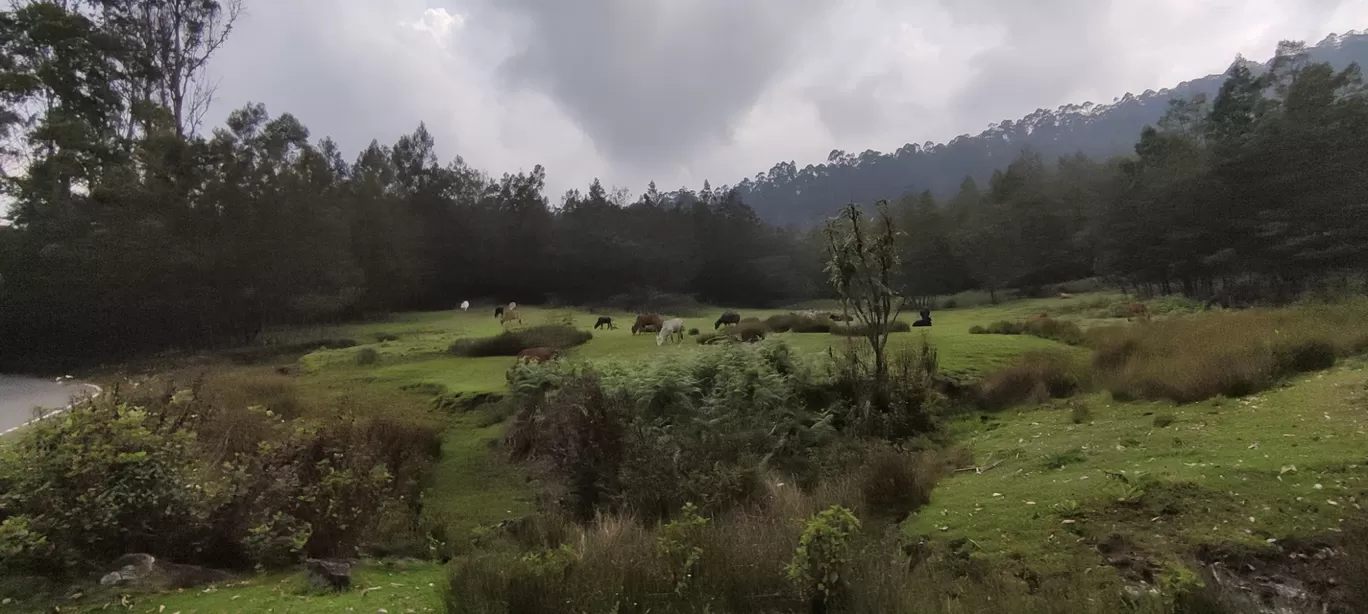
{"x":798,"y":323}
{"x":509,"y":343}
{"x":1228,"y":353}
{"x":1034,"y":378}
{"x":1042,"y":326}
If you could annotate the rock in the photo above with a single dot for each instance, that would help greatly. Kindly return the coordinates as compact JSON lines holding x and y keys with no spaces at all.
{"x":334,"y":575}
{"x":144,"y":570}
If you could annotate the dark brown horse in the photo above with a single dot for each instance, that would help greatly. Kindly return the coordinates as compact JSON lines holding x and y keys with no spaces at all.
{"x":647,"y":319}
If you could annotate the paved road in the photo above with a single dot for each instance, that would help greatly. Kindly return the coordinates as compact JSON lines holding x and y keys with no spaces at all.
{"x":20,"y":395}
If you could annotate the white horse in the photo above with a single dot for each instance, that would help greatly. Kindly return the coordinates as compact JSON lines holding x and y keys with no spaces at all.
{"x":669,"y":330}
{"x":465,"y":305}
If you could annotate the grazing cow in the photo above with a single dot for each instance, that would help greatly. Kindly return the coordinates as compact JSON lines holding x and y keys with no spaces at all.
{"x":465,"y":305}
{"x":730,"y":318}
{"x":538,"y":354}
{"x":925,"y":318}
{"x":647,"y":319}
{"x":1137,"y":310}
{"x":671,"y":329}
{"x":1065,"y":295}
{"x":604,"y":321}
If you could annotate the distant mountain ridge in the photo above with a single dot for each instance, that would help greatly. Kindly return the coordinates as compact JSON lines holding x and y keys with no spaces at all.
{"x":786,"y":194}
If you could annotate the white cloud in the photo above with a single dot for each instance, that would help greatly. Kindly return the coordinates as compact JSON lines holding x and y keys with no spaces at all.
{"x":679,"y":91}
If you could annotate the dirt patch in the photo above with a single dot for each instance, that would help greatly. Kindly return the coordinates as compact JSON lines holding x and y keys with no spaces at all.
{"x":1133,"y":565}
{"x":1291,"y":576}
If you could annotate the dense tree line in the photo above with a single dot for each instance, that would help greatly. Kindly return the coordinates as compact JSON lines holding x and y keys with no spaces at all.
{"x":788,"y":193}
{"x":132,"y":231}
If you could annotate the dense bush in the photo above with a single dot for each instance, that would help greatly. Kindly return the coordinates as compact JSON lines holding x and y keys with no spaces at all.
{"x":367,"y":356}
{"x":1231,"y":353}
{"x":698,"y":428}
{"x":509,"y":343}
{"x":178,"y":478}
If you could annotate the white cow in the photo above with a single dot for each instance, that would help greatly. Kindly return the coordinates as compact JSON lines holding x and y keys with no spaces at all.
{"x":669,"y":330}
{"x":465,"y":305}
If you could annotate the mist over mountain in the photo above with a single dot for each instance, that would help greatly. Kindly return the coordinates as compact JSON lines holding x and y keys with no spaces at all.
{"x":787,"y":194}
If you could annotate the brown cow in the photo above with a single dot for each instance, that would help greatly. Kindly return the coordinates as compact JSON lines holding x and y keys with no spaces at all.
{"x":1137,"y":310}
{"x":647,"y":319}
{"x":538,"y":354}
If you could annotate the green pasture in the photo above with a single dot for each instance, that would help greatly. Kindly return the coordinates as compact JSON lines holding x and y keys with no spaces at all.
{"x":1051,"y":480}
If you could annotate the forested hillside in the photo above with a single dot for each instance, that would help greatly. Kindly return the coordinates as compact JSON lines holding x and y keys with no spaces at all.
{"x":786,"y":194}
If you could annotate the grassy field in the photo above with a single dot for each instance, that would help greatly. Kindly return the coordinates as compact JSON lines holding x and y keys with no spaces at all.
{"x":1053,"y":480}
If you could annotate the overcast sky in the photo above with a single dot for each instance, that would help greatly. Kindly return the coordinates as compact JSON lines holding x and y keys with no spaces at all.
{"x":683,"y":90}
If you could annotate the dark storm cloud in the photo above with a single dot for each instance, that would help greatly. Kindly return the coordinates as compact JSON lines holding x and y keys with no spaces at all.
{"x":652,"y":82}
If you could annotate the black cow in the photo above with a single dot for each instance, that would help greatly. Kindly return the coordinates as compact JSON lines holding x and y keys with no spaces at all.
{"x":729,"y":318}
{"x":604,"y":321}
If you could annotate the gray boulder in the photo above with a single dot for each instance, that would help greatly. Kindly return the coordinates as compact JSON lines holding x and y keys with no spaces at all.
{"x":146,"y":571}
{"x":329,"y":574}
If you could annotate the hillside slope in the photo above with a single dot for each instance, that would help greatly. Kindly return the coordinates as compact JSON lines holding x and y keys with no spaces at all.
{"x":788,"y":195}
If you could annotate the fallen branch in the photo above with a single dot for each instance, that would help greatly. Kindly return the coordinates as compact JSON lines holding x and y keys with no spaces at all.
{"x":978,"y":470}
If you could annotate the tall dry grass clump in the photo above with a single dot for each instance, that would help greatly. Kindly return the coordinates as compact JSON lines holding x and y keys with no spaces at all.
{"x":1230,"y":353}
{"x":1036,"y":377}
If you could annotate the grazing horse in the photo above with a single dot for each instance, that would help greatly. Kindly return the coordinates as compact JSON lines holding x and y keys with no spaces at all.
{"x":647,"y":319}
{"x":669,"y":330}
{"x":925,"y":318}
{"x":729,"y":318}
{"x":537,"y":354}
{"x":511,"y":313}
{"x":1137,"y":310}
{"x":604,"y":321}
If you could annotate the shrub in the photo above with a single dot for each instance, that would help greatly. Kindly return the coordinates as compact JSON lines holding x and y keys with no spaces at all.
{"x":1079,"y":412}
{"x":692,"y":428}
{"x":859,"y":330}
{"x":192,"y":482}
{"x":693,"y":332}
{"x":383,"y":337}
{"x":1044,"y":327}
{"x":367,"y":356}
{"x":1060,"y":460}
{"x":1034,"y":378}
{"x":823,"y":555}
{"x":897,"y":483}
{"x":1164,"y":419}
{"x":749,"y":332}
{"x":104,"y":480}
{"x":798,"y":323}
{"x":978,"y":330}
{"x":509,"y":343}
